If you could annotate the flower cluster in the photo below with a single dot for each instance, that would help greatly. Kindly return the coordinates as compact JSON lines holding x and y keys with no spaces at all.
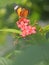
{"x":26,"y":29}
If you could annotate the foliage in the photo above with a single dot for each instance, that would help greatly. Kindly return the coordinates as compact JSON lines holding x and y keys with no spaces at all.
{"x":31,"y":50}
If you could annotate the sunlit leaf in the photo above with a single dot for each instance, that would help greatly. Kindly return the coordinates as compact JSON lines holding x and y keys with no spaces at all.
{"x":4,"y":61}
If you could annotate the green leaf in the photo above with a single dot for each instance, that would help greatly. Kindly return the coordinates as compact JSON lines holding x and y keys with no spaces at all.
{"x":35,"y":16}
{"x":4,"y":61}
{"x":46,"y":28}
{"x":33,"y":55}
{"x":2,"y":37}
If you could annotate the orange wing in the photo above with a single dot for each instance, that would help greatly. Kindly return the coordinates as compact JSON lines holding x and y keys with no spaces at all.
{"x":24,"y":13}
{"x":19,"y":11}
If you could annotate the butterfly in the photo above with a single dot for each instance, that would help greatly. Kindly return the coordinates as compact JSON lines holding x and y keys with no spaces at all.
{"x":22,"y":12}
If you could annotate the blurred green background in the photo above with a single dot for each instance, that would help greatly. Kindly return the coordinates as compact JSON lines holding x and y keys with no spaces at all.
{"x":33,"y":50}
{"x":38,"y":10}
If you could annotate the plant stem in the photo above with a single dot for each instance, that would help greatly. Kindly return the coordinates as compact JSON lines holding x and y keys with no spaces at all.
{"x":11,"y":30}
